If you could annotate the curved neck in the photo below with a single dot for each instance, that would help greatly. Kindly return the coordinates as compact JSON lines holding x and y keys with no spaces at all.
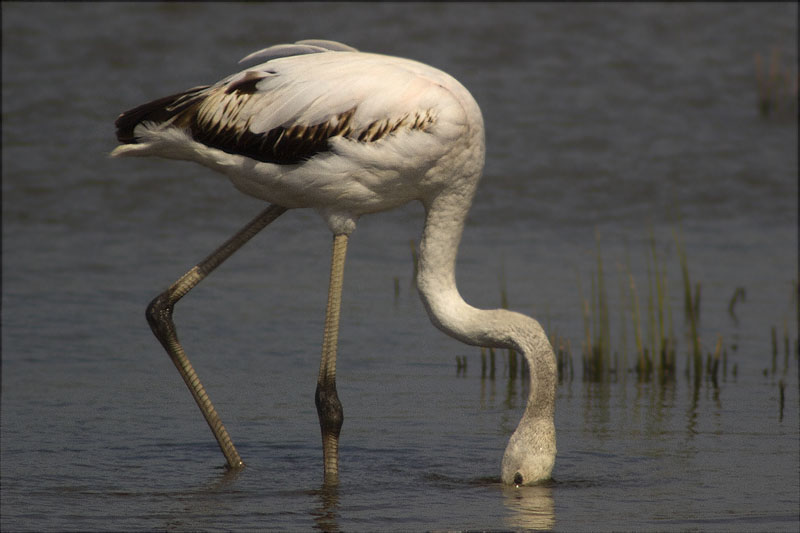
{"x":497,"y":328}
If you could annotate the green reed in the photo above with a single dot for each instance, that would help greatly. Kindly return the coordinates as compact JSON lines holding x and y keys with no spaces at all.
{"x":738,"y":294}
{"x":787,"y":343}
{"x":776,"y":87}
{"x":644,"y":311}
{"x":642,"y":361}
{"x":663,"y":332}
{"x":563,"y":349}
{"x":461,"y":365}
{"x":647,"y":313}
{"x":597,"y":330}
{"x":491,"y":362}
{"x":691,"y":306}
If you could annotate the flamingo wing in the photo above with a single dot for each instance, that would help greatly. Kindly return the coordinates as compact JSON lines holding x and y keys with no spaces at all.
{"x":286,"y":110}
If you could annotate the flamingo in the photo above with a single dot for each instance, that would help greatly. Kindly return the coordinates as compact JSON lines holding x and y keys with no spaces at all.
{"x":318,"y":124}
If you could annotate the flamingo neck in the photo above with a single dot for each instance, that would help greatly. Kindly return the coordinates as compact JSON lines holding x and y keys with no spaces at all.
{"x":531,"y":449}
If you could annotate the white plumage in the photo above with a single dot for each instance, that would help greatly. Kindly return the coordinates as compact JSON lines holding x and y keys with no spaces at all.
{"x":320,"y":125}
{"x":423,"y":114}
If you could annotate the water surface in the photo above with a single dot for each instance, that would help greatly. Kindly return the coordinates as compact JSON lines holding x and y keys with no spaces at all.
{"x":602,"y":121}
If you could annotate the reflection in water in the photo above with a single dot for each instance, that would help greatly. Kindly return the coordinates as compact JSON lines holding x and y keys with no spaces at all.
{"x":529,"y":507}
{"x":325,"y":514}
{"x":229,"y":475}
{"x":192,"y":509}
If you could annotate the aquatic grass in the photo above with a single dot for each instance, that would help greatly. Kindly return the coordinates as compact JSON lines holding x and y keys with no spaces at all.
{"x":660,"y":342}
{"x":785,"y":345}
{"x":597,"y":331}
{"x":666,"y":329}
{"x":738,"y":294}
{"x":585,"y":315}
{"x":646,"y":315}
{"x":652,"y":334}
{"x":691,"y":307}
{"x":593,"y":356}
{"x":776,"y":87}
{"x":794,"y":303}
{"x":653,"y":351}
{"x":603,"y":330}
{"x":563,"y":350}
{"x":712,"y":363}
{"x":774,"y":336}
{"x":623,"y":310}
{"x":796,"y":299}
{"x":642,"y":362}
{"x":491,"y":362}
{"x":461,"y":365}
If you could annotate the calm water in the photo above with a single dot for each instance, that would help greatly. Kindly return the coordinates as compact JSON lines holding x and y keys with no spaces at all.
{"x":601,"y":120}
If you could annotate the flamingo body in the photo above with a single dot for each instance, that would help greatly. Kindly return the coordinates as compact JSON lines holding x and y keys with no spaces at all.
{"x":320,"y":125}
{"x":345,"y":132}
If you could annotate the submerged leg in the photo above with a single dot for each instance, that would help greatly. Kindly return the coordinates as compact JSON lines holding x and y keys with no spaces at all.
{"x":329,"y":408}
{"x":159,"y":316}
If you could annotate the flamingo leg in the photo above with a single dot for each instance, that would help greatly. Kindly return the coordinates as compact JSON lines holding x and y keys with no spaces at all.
{"x":329,"y":408}
{"x":159,"y":316}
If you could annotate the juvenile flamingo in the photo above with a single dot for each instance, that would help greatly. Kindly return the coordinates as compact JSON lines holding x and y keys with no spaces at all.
{"x":318,"y":124}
